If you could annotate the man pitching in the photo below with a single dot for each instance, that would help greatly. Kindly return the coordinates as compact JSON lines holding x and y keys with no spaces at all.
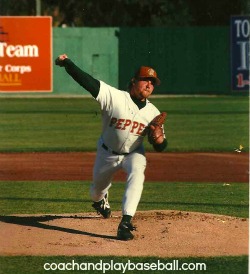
{"x":127,"y":117}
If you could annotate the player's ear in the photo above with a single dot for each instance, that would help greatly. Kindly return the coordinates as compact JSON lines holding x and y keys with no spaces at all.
{"x":131,"y":83}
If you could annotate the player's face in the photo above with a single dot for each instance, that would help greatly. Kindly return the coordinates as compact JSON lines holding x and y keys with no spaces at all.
{"x":143,"y":88}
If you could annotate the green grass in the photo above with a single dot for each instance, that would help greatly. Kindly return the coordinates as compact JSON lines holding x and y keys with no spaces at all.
{"x":35,"y":265}
{"x":73,"y":124}
{"x":71,"y":197}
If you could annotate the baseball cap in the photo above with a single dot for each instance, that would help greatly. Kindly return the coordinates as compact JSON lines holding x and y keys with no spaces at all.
{"x":147,"y":72}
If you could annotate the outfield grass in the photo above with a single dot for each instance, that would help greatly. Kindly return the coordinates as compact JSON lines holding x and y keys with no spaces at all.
{"x":73,"y":124}
{"x":71,"y":197}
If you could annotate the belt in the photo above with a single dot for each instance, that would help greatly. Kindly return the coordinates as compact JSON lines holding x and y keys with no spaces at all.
{"x":112,"y":151}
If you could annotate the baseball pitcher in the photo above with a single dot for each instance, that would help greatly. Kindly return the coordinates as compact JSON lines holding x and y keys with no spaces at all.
{"x":127,"y":117}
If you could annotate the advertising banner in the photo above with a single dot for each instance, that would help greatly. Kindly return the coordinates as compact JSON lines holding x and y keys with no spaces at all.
{"x":25,"y":54}
{"x":240,"y":54}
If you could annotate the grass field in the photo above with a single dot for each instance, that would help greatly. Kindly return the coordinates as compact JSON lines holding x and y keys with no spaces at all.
{"x":193,"y":124}
{"x":67,"y":197}
{"x":56,"y":124}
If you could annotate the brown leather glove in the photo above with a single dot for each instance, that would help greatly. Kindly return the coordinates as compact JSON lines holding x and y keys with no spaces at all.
{"x":156,"y":133}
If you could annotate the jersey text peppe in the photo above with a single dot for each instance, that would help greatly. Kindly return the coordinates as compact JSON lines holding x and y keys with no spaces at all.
{"x":124,"y":124}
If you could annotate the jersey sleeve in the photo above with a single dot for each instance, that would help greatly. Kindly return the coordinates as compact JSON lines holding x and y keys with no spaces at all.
{"x":108,"y":96}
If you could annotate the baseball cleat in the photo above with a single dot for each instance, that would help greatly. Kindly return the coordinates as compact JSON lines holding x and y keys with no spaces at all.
{"x":102,"y":207}
{"x":124,"y":231}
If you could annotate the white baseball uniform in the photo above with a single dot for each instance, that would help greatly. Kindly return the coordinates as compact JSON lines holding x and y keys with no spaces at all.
{"x":120,"y":145}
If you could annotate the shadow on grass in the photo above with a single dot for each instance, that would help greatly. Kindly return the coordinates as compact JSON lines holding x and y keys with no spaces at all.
{"x":37,"y":221}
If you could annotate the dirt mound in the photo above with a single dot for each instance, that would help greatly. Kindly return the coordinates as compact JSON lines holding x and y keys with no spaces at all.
{"x":159,"y":233}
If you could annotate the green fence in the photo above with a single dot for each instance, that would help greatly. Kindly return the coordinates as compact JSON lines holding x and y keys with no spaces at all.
{"x":191,"y":60}
{"x":94,"y":50}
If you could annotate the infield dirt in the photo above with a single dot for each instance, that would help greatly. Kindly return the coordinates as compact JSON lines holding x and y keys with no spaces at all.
{"x":166,"y":167}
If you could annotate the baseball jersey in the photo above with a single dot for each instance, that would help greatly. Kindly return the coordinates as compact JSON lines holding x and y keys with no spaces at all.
{"x":123,"y":123}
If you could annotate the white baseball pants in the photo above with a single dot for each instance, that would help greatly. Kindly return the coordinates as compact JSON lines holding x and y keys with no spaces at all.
{"x":106,"y":164}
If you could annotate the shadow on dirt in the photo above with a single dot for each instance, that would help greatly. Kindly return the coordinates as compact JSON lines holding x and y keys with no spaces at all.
{"x":37,"y":221}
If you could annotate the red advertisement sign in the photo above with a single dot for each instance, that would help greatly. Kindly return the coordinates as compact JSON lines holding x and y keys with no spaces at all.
{"x":25,"y":54}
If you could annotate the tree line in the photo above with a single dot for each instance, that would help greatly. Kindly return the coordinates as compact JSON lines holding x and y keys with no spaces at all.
{"x":130,"y":13}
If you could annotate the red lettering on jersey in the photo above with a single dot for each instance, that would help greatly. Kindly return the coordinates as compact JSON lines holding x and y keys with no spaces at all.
{"x":126,"y":124}
{"x":140,"y":129}
{"x":135,"y":125}
{"x":123,"y":124}
{"x":112,"y":122}
{"x":119,"y":123}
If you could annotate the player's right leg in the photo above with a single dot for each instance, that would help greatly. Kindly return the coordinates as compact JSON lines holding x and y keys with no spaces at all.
{"x":102,"y":207}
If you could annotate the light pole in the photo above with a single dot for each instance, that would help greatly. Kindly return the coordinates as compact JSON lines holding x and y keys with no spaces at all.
{"x":38,"y":7}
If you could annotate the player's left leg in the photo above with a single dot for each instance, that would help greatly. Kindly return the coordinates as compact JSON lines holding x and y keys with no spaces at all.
{"x":134,"y":164}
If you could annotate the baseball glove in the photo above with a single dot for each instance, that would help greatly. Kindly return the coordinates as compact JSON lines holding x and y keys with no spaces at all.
{"x":155,"y":132}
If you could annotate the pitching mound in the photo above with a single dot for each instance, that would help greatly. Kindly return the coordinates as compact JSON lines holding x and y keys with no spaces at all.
{"x":159,"y":233}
